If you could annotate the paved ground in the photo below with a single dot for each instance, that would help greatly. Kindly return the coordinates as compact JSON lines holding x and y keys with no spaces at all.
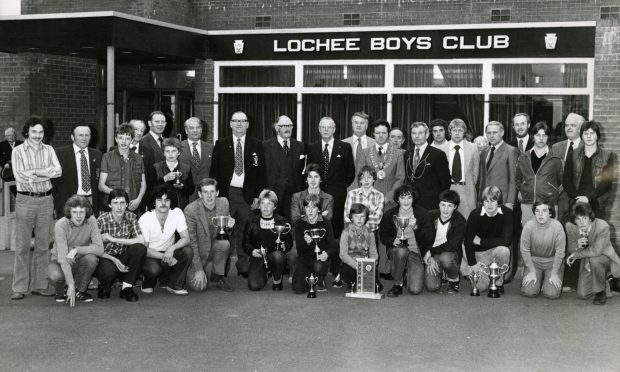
{"x":279,"y":331}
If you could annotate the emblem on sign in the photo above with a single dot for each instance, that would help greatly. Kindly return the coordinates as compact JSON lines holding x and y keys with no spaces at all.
{"x":238,"y":46}
{"x":550,"y":41}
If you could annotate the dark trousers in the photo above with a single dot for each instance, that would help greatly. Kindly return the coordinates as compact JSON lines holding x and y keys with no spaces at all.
{"x":240,"y":211}
{"x":303,"y":268}
{"x":348,"y":274}
{"x":133,"y":257}
{"x":257,"y":272}
{"x":171,"y":276}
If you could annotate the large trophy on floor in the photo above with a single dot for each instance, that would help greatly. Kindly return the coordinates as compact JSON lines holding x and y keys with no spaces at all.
{"x":316,"y":235}
{"x":366,"y":286}
{"x":279,"y":230}
{"x":494,"y":272}
{"x":221,"y":222}
{"x":401,"y":223}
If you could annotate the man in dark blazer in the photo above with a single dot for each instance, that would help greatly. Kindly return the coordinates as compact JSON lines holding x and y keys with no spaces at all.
{"x":7,"y":146}
{"x":196,"y":153}
{"x":426,"y":167}
{"x":523,"y":141}
{"x":336,"y":158}
{"x":77,"y":160}
{"x":284,"y":164}
{"x":151,"y":149}
{"x":239,"y":167}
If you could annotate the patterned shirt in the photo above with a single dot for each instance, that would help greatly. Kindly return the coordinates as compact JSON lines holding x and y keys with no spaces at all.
{"x":373,"y":201}
{"x":26,"y":158}
{"x":128,"y":228}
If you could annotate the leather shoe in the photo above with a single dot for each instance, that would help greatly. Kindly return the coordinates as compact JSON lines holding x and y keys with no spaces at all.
{"x":129,"y":295}
{"x":103,"y":292}
{"x":17,"y":296}
{"x":277,"y":287}
{"x":396,"y":291}
{"x":600,"y":298}
{"x":244,"y":275}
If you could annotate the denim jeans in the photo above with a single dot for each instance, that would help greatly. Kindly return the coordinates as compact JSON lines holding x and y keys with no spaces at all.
{"x":257,"y":273}
{"x":593,"y":281}
{"x":82,"y":269}
{"x":447,"y":261}
{"x":403,"y":258}
{"x":171,"y":276}
{"x":32,"y":214}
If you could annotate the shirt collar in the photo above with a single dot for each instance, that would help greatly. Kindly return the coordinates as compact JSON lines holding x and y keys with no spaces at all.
{"x":281,"y":141}
{"x":384,"y":147}
{"x":155,"y":136}
{"x":422,"y":148}
{"x":330,"y":143}
{"x":76,"y":150}
{"x":484,"y":211}
{"x":191,"y":143}
{"x":524,"y":139}
{"x":498,"y":145}
{"x":576,"y":142}
{"x":235,"y":138}
{"x":452,"y":144}
{"x":364,"y":139}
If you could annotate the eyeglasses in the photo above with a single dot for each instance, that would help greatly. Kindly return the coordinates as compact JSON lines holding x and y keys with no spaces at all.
{"x":239,"y":121}
{"x":284,"y":125}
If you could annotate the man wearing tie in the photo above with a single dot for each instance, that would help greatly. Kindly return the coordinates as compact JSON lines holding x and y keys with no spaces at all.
{"x":196,"y":153}
{"x":426,"y":167}
{"x":359,"y":142}
{"x":81,"y":166}
{"x":138,"y":132}
{"x":284,"y":163}
{"x":239,"y":167}
{"x":151,"y":147}
{"x":521,"y":125}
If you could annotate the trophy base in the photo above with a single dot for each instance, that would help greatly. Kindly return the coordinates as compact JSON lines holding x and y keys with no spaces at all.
{"x":311,"y":295}
{"x":372,"y":296}
{"x":475,"y":294}
{"x":493,"y":293}
{"x":221,"y":237}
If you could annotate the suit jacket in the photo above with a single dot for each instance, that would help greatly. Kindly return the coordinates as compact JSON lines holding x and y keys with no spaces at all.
{"x":394,"y":170}
{"x":326,"y":204}
{"x":151,"y":154}
{"x":502,"y":172}
{"x":430,"y":177}
{"x":471,"y":171}
{"x":276,"y":179}
{"x":204,"y":167}
{"x":559,"y":149}
{"x":201,"y":230}
{"x":530,"y":142}
{"x":359,"y":163}
{"x":6,"y":150}
{"x":341,"y":171}
{"x":66,"y":185}
{"x":223,"y":166}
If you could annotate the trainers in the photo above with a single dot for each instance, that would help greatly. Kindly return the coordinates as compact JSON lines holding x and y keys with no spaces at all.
{"x":223,"y":285}
{"x":337,"y":283}
{"x":453,"y":287}
{"x":395,"y":291}
{"x":60,"y":298}
{"x":178,"y":292}
{"x":83,"y":297}
{"x":320,"y":287}
{"x":147,"y":290}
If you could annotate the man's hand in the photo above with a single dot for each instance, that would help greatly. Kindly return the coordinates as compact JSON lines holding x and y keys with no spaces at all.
{"x":119,"y":265}
{"x":475,"y":268}
{"x":477,"y":240}
{"x":231,"y":222}
{"x":583,"y":199}
{"x":555,"y":280}
{"x":134,"y":204}
{"x":200,"y":280}
{"x":396,"y":242}
{"x":256,"y":253}
{"x":432,"y":267}
{"x":323,"y":256}
{"x":530,"y":278}
{"x":168,"y":258}
{"x":308,"y":239}
{"x":570,"y":259}
{"x":71,"y":295}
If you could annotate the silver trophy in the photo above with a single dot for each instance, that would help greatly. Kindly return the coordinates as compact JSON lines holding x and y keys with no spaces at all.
{"x":263,"y":253}
{"x":316,"y":235}
{"x":474,"y":277}
{"x":401,"y":223}
{"x":312,"y":280}
{"x":221,"y":222}
{"x":279,"y":230}
{"x":494,"y":272}
{"x":177,"y":182}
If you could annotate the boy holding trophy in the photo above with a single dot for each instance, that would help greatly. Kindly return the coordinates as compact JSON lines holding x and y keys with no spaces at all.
{"x":356,"y":241}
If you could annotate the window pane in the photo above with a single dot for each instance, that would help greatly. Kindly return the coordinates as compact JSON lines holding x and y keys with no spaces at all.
{"x":423,"y":76}
{"x":549,"y":75}
{"x":173,"y":79}
{"x":344,"y":76}
{"x":552,"y":109}
{"x":257,"y":76}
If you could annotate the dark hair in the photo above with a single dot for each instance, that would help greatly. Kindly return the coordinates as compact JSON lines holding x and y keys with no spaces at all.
{"x":406,"y":189}
{"x":544,"y":202}
{"x":124,"y":130}
{"x":314,"y":167}
{"x":594,"y":125}
{"x":81,"y":124}
{"x":541,"y":125}
{"x":367,"y":169}
{"x":450,"y":196}
{"x":582,"y":209}
{"x":207,"y":182}
{"x":31,"y":122}
{"x":358,"y":208}
{"x":171,"y":142}
{"x":439,"y":123}
{"x":159,"y":191}
{"x":311,"y":199}
{"x":78,"y":201}
{"x":155,"y":113}
{"x":118,"y":193}
{"x":381,"y":122}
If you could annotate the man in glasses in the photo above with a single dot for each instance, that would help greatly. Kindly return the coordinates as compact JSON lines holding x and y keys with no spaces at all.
{"x":239,"y":167}
{"x":284,"y":163}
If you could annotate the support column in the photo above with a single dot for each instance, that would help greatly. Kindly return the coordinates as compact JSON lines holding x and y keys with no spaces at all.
{"x":110,"y":115}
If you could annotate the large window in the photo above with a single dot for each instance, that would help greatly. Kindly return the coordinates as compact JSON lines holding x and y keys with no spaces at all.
{"x":438,"y":75}
{"x":257,"y":76}
{"x":551,"y":75}
{"x":344,"y":76}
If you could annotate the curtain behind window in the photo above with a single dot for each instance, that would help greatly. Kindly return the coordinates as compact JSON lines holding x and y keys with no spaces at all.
{"x":462,"y":76}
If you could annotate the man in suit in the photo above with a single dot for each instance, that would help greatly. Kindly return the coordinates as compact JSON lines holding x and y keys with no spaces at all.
{"x":359,"y":142}
{"x":138,"y":132}
{"x":81,"y":166}
{"x":6,"y":149}
{"x":439,"y":128}
{"x":521,"y":125}
{"x":239,"y":167}
{"x":498,"y":164}
{"x":568,"y":149}
{"x":284,"y":164}
{"x":397,"y":138}
{"x":151,"y":148}
{"x":336,"y":158}
{"x":196,"y":153}
{"x":426,"y":167}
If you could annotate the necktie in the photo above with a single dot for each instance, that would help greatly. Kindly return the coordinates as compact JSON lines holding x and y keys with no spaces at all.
{"x":520,"y":145}
{"x":358,"y":154}
{"x":491,"y":156}
{"x":325,"y":161}
{"x":285,"y":147}
{"x":456,"y":165}
{"x":380,"y":151}
{"x":416,"y":157}
{"x":195,"y":156}
{"x":238,"y":158}
{"x":569,"y":153}
{"x":84,"y":174}
{"x":160,"y":140}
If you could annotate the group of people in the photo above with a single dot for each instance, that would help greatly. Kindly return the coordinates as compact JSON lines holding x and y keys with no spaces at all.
{"x":429,"y":215}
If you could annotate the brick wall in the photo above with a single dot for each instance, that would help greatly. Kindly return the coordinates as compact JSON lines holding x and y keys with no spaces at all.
{"x":14,"y":92}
